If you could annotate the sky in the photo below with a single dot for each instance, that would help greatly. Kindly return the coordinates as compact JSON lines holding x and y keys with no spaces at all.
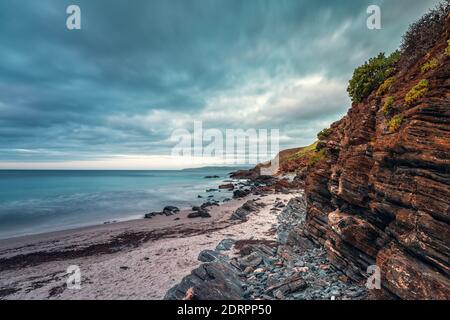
{"x":109,"y":96}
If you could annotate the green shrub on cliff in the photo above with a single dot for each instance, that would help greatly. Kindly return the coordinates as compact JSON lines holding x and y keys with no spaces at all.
{"x":417,"y":92}
{"x":388,"y":105}
{"x":429,"y":65}
{"x":322,"y":135}
{"x":395,"y":123}
{"x":447,"y":50}
{"x":371,"y":75}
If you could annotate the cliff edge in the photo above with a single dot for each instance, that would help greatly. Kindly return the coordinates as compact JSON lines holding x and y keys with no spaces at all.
{"x":380,"y":195}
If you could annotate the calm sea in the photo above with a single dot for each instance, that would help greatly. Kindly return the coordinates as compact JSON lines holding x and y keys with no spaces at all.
{"x":46,"y":200}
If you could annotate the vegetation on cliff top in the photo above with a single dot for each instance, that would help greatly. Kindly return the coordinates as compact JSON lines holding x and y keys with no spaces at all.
{"x":424,"y":34}
{"x":418,"y":40}
{"x":316,"y":157}
{"x":322,"y":135}
{"x":297,"y":159}
{"x":303,"y":152}
{"x":371,"y":75}
{"x":378,"y":74}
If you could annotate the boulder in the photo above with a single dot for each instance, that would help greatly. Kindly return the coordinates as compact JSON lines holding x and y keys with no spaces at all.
{"x":194,"y":214}
{"x":199,"y":212}
{"x":241,"y":193}
{"x":242,"y":212}
{"x":152,"y":214}
{"x":228,"y":186}
{"x":216,"y":280}
{"x":170,"y":210}
{"x":225,"y":245}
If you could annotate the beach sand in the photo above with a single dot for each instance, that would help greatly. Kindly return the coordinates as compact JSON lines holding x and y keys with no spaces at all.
{"x":138,"y":259}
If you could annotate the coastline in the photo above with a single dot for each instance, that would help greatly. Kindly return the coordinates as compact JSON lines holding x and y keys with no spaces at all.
{"x":250,"y":242}
{"x":135,"y":259}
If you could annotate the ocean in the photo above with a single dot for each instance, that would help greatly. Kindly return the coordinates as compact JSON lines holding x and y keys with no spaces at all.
{"x":37,"y":201}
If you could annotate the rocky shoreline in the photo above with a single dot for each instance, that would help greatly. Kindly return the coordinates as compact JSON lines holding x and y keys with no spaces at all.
{"x":245,"y":248}
{"x":136,"y":259}
{"x":289,"y":267}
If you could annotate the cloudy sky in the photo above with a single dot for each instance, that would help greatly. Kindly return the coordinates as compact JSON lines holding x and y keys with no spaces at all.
{"x":110,"y":95}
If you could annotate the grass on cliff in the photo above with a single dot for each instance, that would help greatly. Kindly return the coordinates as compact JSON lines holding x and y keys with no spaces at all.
{"x":395,"y":123}
{"x":417,"y":92}
{"x":303,"y":152}
{"x":429,"y":65}
{"x":316,"y":157}
{"x":311,"y":154}
{"x":388,"y":105}
{"x":385,"y":86}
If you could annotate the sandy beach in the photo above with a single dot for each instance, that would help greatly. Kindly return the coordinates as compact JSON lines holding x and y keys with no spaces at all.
{"x":138,"y":259}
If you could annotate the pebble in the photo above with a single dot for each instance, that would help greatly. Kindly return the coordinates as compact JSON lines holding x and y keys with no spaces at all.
{"x":302,"y":269}
{"x":259,"y":271}
{"x":248,"y":270}
{"x":279,"y":295}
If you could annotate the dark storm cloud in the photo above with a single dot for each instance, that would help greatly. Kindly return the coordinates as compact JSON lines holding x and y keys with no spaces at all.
{"x":139,"y":69}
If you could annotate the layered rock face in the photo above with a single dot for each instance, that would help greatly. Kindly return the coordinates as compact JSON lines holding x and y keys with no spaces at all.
{"x":382,"y":197}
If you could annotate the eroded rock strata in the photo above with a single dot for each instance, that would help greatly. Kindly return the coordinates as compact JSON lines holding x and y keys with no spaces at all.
{"x":382,"y":198}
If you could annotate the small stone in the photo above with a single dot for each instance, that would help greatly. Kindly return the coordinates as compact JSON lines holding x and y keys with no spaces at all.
{"x":297,"y":285}
{"x":279,"y":263}
{"x":278,"y":294}
{"x":252,"y":260}
{"x":248,"y":270}
{"x":272,"y":280}
{"x":302,"y":269}
{"x":259,"y":271}
{"x":335,"y":293}
{"x":343,"y":278}
{"x":299,"y":264}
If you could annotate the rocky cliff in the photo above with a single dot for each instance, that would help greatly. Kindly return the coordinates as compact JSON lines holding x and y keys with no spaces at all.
{"x":381,"y":193}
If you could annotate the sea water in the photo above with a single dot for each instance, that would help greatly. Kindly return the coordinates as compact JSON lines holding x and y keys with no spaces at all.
{"x":36,"y":201}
